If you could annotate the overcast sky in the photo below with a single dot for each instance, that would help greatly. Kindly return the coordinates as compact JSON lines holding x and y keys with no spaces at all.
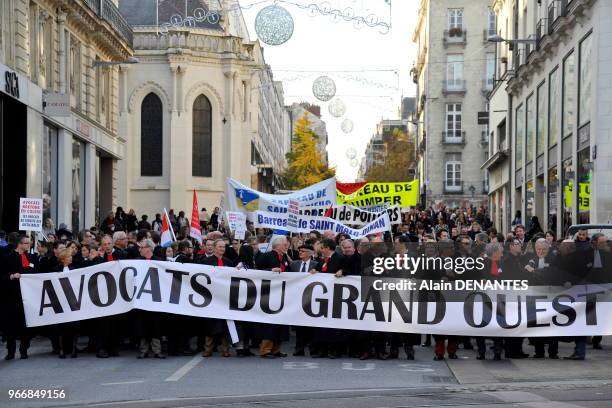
{"x":319,"y":44}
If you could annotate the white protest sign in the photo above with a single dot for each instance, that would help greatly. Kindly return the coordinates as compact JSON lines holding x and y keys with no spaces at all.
{"x":237,"y":223}
{"x":30,"y":214}
{"x":293,"y":213}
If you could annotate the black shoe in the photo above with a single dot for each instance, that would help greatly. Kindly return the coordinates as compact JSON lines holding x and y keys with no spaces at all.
{"x":299,"y":353}
{"x":247,"y":353}
{"x":333,"y":356}
{"x":452,"y":356}
{"x":365,"y":356}
{"x":538,"y":356}
{"x":322,"y":355}
{"x":102,"y":354}
{"x":160,"y":356}
{"x":574,"y":357}
{"x":382,"y":356}
{"x":143,"y":355}
{"x":24,"y":356}
{"x":409,"y":354}
{"x":481,"y":356}
{"x":597,"y":346}
{"x":9,"y":357}
{"x":497,"y":357}
{"x":439,"y":358}
{"x":393,"y":353}
{"x":74,"y":354}
{"x":114,"y":354}
{"x":62,"y":354}
{"x":554,"y":356}
{"x":268,"y":355}
{"x":279,"y":354}
{"x":426,"y":344}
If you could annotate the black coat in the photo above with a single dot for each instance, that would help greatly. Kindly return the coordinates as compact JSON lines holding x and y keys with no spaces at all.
{"x":214,"y":261}
{"x":13,"y":317}
{"x":268,"y":261}
{"x":334,"y":264}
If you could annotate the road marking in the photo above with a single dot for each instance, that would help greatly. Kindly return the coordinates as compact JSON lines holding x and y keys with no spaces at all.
{"x":295,"y":365}
{"x":416,"y":368}
{"x":352,"y":367}
{"x":124,"y":382}
{"x":180,"y":373}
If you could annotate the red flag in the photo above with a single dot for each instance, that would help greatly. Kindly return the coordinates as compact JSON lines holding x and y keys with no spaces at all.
{"x":195,"y":232}
{"x":349,"y":188}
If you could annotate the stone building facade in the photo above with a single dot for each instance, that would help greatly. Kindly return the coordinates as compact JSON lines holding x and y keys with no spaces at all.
{"x":453,"y":73}
{"x":553,"y":124}
{"x":59,"y":127}
{"x":199,"y":107}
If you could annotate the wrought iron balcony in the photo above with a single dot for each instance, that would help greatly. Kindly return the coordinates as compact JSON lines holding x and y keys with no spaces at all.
{"x":453,"y":137}
{"x":453,"y":187}
{"x":454,"y":86}
{"x":455,"y":35}
{"x":106,"y":10}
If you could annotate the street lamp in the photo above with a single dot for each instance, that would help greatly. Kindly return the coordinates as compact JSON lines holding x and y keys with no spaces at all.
{"x":130,"y":60}
{"x":499,"y":39}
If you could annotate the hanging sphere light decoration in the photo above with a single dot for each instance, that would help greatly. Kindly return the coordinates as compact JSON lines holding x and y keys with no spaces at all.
{"x":324,"y":88}
{"x":354,"y":163}
{"x":337,"y":108}
{"x":347,"y":126}
{"x":274,"y":25}
{"x":351,"y":153}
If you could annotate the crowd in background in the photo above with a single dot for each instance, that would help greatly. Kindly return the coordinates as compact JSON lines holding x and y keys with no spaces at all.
{"x":531,"y":254}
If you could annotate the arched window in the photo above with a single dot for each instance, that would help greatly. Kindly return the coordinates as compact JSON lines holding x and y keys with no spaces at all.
{"x":202,"y":138}
{"x":151,"y":136}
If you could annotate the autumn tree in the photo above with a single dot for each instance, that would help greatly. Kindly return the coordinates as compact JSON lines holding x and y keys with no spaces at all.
{"x":305,"y":163}
{"x":398,"y":163}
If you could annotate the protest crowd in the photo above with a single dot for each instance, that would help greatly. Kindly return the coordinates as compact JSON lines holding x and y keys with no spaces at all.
{"x":530,"y":254}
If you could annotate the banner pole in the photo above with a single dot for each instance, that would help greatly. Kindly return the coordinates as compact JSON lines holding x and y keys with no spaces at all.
{"x":170,"y":225}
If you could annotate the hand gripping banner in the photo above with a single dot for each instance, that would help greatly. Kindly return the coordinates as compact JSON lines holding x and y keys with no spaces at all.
{"x":303,"y":299}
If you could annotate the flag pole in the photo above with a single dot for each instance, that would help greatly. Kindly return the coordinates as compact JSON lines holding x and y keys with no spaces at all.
{"x":170,"y":225}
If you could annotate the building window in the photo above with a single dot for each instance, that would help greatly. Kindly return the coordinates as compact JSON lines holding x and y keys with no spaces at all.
{"x":455,"y":18}
{"x":584,"y":186}
{"x":531,"y":108}
{"x":453,"y":122}
{"x":7,"y":42}
{"x":74,"y":76}
{"x":202,"y":138}
{"x":490,"y":71}
{"x":491,"y":23}
{"x":553,"y":194}
{"x":49,"y":173}
{"x":520,"y":134}
{"x":78,"y":181}
{"x":151,"y":136}
{"x":569,"y":94}
{"x":584,"y":84}
{"x":33,"y":51}
{"x":568,"y":198}
{"x":453,"y":172}
{"x":454,"y":71}
{"x":541,"y":115}
{"x":553,"y":106}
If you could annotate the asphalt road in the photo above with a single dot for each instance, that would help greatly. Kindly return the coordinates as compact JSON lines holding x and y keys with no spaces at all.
{"x":297,"y":382}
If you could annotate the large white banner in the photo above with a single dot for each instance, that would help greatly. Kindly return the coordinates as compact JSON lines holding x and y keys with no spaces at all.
{"x":302,"y":299}
{"x":306,"y":224}
{"x":355,"y":216}
{"x":246,"y":199}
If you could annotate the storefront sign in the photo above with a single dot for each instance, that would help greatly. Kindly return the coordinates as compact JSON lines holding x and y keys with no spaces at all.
{"x":30,"y":214}
{"x":11,"y":83}
{"x":57,"y":104}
